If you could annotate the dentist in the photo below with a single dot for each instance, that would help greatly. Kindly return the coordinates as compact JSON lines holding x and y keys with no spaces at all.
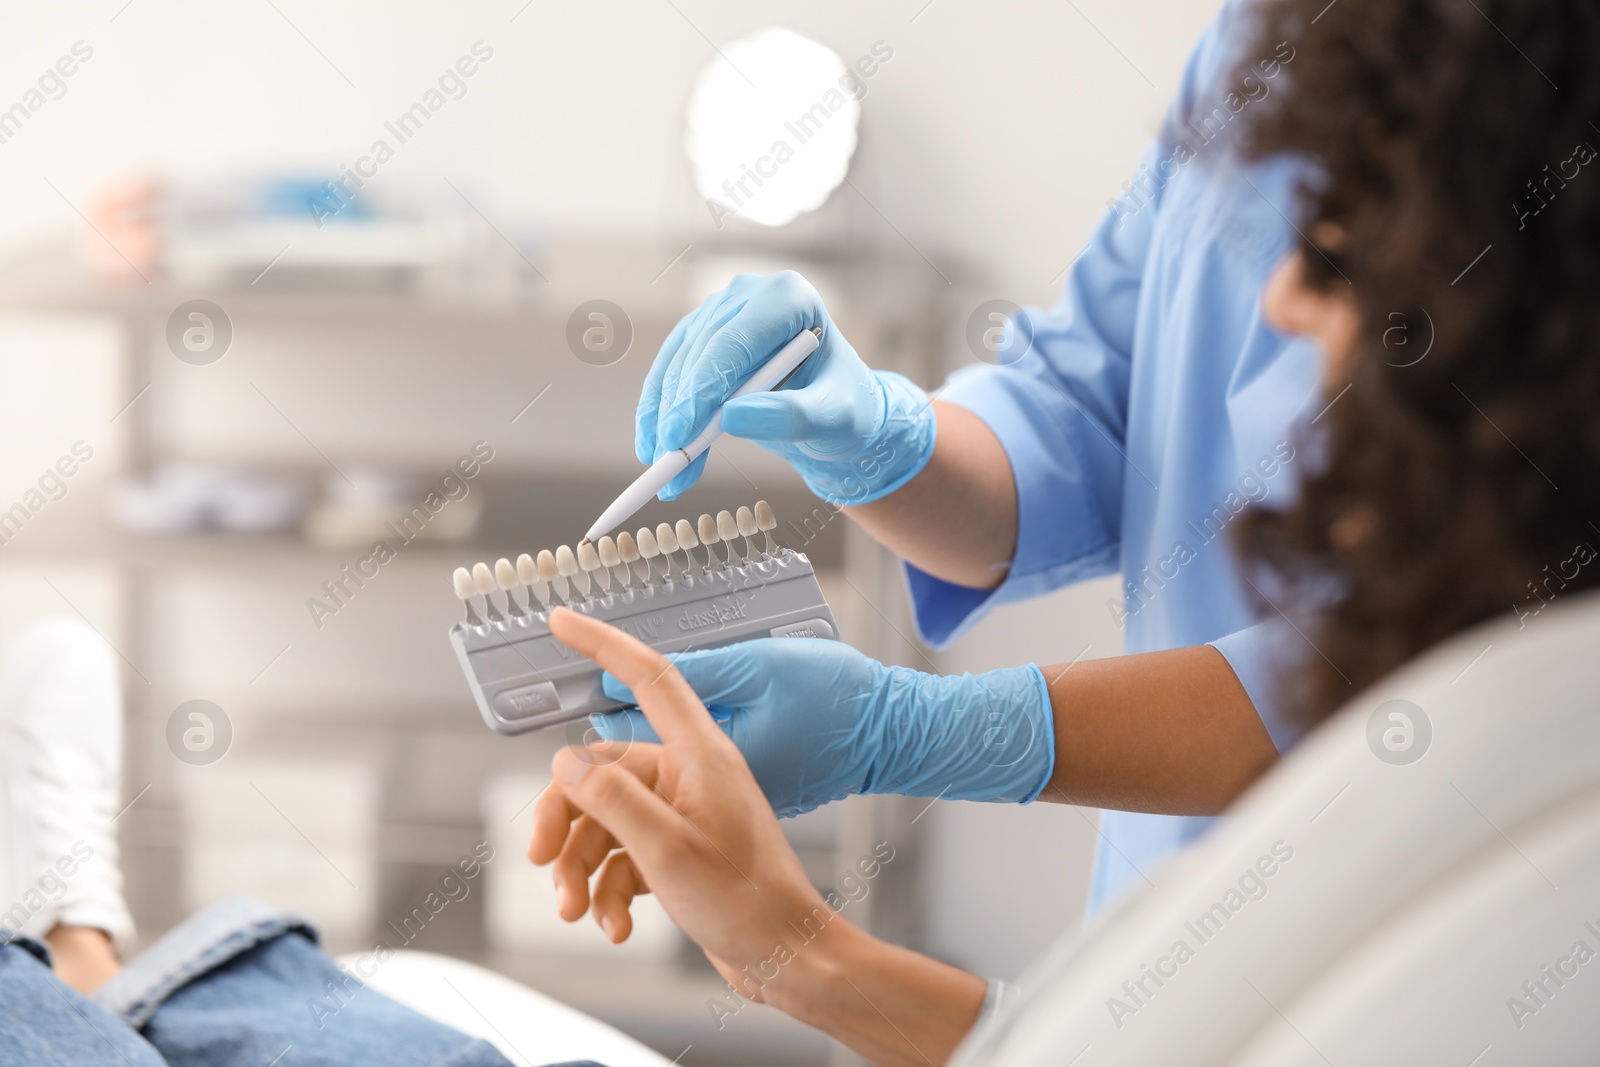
{"x":1122,"y":431}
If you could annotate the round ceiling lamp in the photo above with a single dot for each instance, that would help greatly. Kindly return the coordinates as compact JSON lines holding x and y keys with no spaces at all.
{"x":771,"y":127}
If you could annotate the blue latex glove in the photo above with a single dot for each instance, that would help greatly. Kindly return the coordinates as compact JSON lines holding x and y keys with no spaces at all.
{"x":853,"y":433}
{"x":818,"y":721}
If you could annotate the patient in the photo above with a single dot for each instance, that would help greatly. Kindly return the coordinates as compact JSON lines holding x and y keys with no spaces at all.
{"x":1448,"y":272}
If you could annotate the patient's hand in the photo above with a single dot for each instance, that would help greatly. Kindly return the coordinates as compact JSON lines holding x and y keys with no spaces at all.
{"x":684,"y":819}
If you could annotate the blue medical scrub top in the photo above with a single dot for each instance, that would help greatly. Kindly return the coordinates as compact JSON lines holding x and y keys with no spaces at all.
{"x":1152,"y":405}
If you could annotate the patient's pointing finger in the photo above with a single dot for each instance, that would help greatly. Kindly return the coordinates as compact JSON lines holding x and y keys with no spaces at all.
{"x":673,"y":709}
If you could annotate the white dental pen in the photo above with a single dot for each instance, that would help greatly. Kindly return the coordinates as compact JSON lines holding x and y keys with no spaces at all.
{"x":767,"y":377}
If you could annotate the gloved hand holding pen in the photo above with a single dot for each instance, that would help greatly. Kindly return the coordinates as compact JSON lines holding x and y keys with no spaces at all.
{"x":853,"y":433}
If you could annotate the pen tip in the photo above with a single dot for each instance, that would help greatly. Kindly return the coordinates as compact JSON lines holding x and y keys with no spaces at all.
{"x":818,"y":331}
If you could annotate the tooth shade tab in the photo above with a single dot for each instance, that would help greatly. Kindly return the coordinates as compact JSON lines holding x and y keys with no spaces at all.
{"x":667,"y":538}
{"x":648,"y":549}
{"x":766,"y":521}
{"x":745,"y":521}
{"x":566,"y":562}
{"x":588,"y":558}
{"x":548,"y":571}
{"x":527,"y":570}
{"x":709,"y":535}
{"x":627,"y":551}
{"x":482,"y":579}
{"x":462,"y":580}
{"x":685,"y":535}
{"x":609,"y":556}
{"x":727,"y":526}
{"x":505,"y":575}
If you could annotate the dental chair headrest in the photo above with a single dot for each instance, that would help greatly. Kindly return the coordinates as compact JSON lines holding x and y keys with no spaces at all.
{"x":1398,"y":891}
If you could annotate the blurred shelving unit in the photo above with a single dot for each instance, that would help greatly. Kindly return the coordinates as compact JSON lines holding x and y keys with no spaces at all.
{"x":391,"y":374}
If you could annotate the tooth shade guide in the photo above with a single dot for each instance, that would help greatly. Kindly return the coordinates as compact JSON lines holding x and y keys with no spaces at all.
{"x":571,"y":576}
{"x":523,"y":679}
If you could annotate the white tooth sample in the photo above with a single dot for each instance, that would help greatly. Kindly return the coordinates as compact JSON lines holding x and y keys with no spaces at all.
{"x":687,"y":543}
{"x":727,"y":529}
{"x":550,"y":571}
{"x":709,"y":538}
{"x":609,"y":559}
{"x":766,"y":522}
{"x":466,"y":589}
{"x":667,"y":541}
{"x":667,"y":538}
{"x":505,"y":576}
{"x":483,"y":584}
{"x":528,"y":572}
{"x":589,"y":560}
{"x":746,"y":520}
{"x":567,"y":564}
{"x":648,"y":551}
{"x":628,"y":553}
{"x":482,"y":579}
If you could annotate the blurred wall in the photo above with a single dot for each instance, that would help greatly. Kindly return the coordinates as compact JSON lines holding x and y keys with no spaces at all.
{"x":994,"y":136}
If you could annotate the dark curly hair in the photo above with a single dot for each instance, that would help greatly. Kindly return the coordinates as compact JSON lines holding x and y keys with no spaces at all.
{"x":1453,"y":145}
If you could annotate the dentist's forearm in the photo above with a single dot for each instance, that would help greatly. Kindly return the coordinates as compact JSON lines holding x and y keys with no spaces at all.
{"x":1168,"y":732}
{"x":957,"y":519}
{"x":891,"y":1005}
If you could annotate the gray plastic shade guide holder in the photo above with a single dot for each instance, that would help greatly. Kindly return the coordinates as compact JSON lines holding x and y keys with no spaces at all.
{"x":523,"y":679}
